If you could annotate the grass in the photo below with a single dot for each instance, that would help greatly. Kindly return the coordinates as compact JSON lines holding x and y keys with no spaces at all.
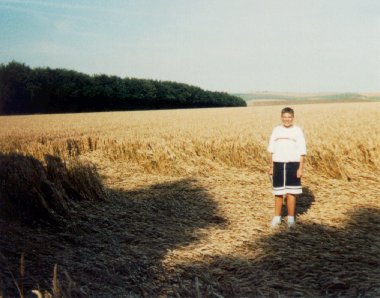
{"x":189,"y":204}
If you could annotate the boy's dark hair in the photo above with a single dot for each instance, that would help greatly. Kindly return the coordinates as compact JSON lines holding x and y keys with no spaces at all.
{"x":287,"y":110}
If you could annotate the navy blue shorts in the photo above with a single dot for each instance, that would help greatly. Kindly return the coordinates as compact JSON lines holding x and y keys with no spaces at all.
{"x":285,"y":178}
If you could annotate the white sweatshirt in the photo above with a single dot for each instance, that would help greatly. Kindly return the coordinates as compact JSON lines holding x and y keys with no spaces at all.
{"x":287,"y":144}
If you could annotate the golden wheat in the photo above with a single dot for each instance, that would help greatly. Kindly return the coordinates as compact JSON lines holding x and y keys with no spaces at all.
{"x":191,"y":197}
{"x":341,"y":138}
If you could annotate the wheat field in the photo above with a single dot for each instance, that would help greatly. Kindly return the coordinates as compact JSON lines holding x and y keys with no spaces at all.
{"x":188,"y":205}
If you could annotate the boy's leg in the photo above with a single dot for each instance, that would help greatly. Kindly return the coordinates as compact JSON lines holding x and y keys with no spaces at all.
{"x":278,"y":205}
{"x":291,"y":204}
{"x":276,"y":221}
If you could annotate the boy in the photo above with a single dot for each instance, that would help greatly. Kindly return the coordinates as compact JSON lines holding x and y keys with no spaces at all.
{"x":288,"y":148}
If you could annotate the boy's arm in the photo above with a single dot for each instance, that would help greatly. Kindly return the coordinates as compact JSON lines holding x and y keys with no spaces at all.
{"x":301,"y":144}
{"x":300,"y":169}
{"x":271,"y":165}
{"x":271,"y":151}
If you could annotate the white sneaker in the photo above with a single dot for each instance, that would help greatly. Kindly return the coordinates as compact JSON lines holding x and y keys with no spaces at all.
{"x":291,"y":224}
{"x":275,"y":223}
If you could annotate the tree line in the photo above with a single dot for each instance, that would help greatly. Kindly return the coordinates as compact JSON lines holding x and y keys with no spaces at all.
{"x":25,"y":90}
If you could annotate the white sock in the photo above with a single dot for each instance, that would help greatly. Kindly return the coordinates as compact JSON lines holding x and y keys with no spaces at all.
{"x":290,"y":218}
{"x":277,"y":218}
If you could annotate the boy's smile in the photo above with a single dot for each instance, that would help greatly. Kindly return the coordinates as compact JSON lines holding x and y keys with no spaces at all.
{"x":287,"y":119}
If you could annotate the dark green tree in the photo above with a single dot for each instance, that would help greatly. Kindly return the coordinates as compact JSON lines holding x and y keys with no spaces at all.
{"x":45,"y":90}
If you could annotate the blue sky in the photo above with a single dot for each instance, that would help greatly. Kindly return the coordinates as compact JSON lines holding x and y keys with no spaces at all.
{"x":224,"y":45}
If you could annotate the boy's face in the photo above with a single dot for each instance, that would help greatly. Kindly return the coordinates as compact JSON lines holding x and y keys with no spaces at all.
{"x":287,"y":119}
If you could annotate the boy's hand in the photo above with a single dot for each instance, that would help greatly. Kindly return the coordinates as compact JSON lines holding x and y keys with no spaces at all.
{"x":270,"y":171}
{"x":299,"y":173}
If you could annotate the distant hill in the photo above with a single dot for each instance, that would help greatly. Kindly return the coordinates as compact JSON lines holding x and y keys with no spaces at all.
{"x":25,"y":90}
{"x":303,"y":96}
{"x":259,"y":98}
